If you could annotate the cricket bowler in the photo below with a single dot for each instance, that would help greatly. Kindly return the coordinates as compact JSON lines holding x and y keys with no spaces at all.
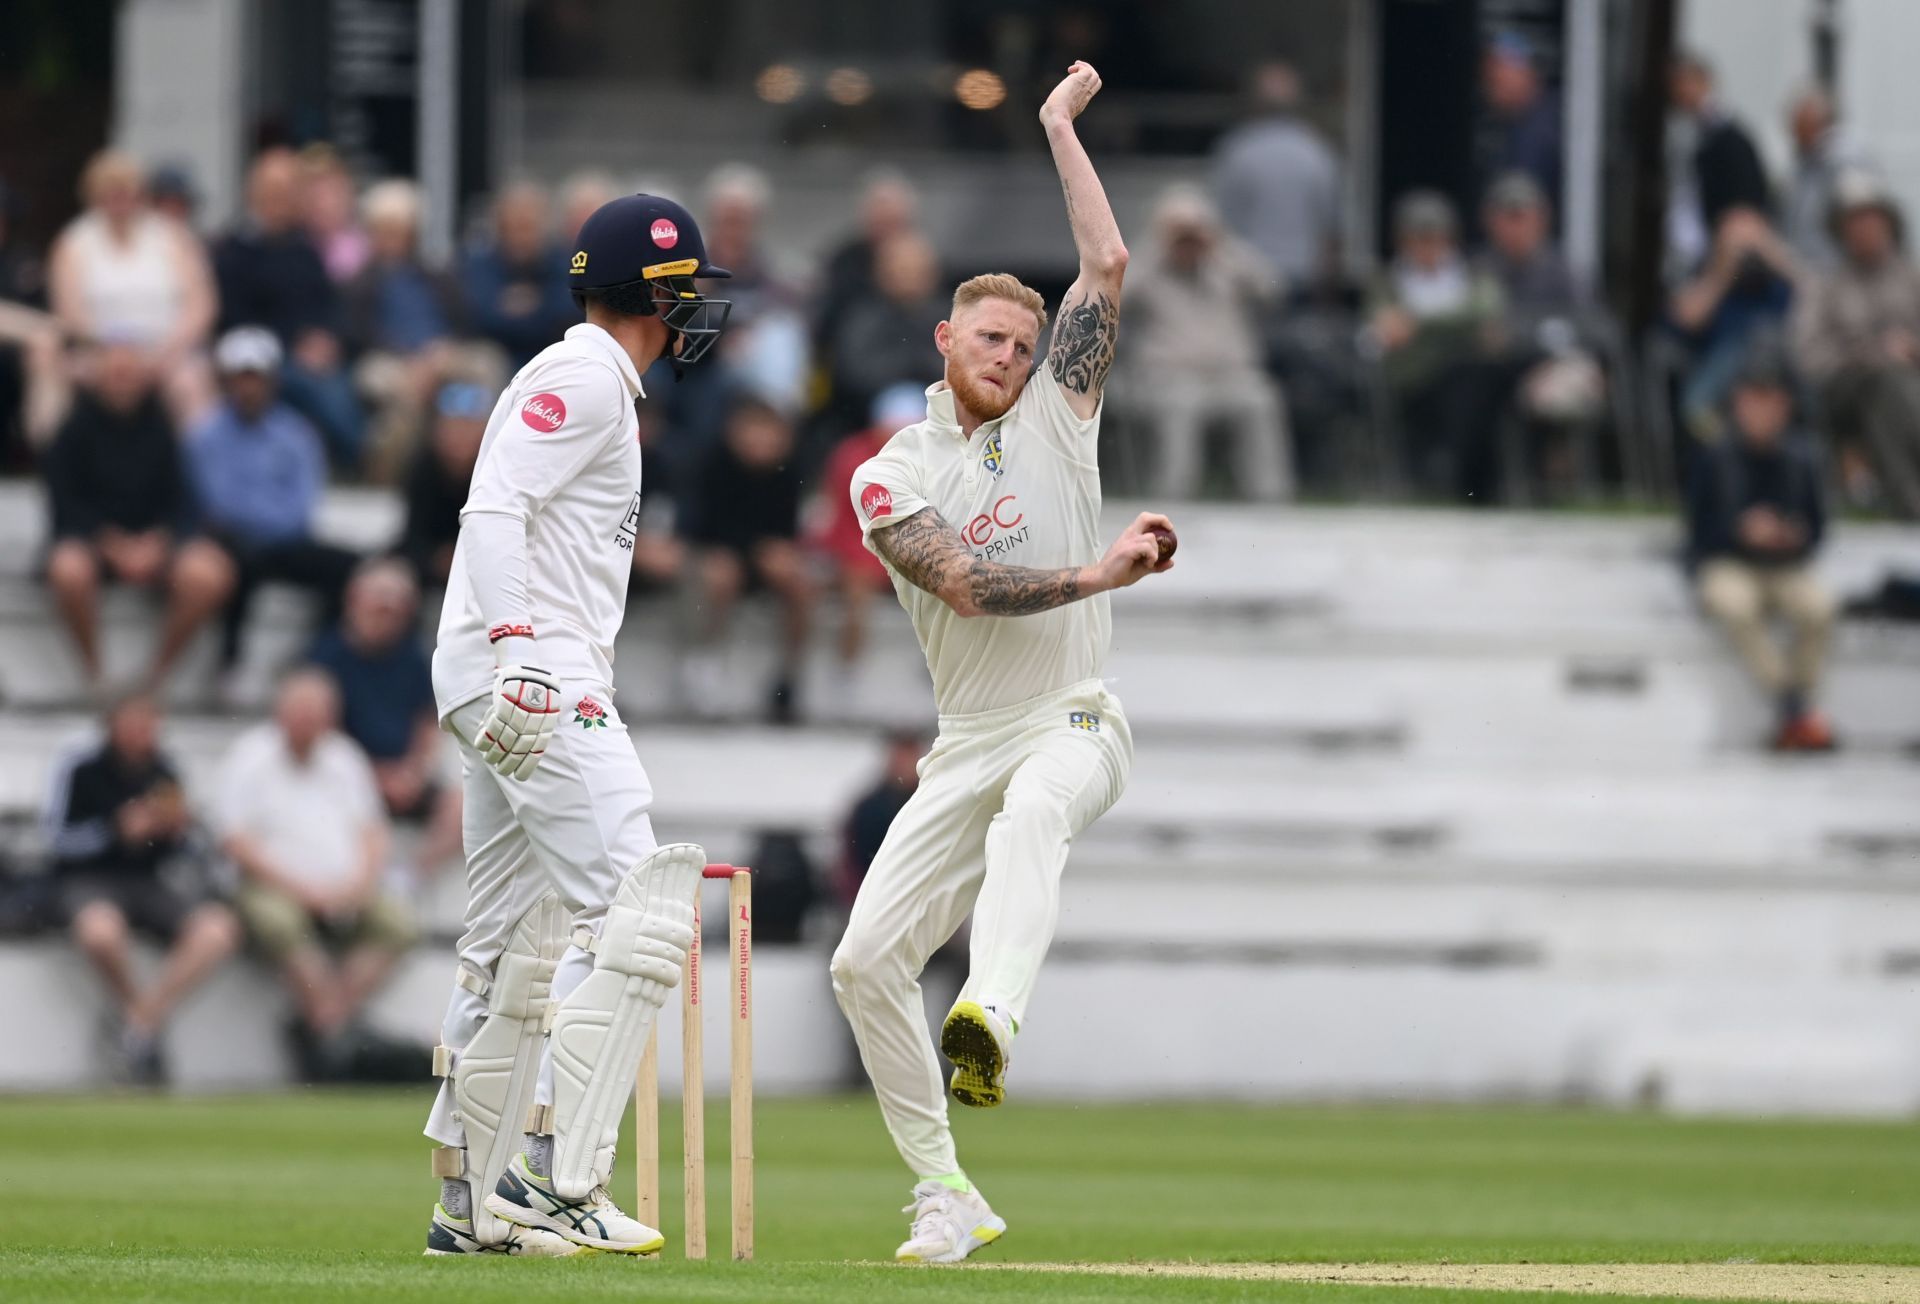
{"x":986,"y":514}
{"x":578,"y":922}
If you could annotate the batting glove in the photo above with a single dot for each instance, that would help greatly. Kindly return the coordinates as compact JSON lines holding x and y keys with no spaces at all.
{"x":520,"y":719}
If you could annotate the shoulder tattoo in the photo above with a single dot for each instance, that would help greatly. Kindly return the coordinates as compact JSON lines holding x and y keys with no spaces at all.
{"x":1083,"y":339}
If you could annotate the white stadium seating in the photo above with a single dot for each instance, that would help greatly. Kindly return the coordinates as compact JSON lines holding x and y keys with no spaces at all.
{"x":1425,"y":804}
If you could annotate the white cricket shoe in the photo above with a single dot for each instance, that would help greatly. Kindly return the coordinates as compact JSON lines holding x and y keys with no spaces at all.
{"x":978,"y":1038}
{"x":447,"y":1234}
{"x":526,"y":1199}
{"x":948,"y":1225}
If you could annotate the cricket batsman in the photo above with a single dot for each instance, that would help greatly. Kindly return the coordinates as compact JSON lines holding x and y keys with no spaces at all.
{"x":987,"y":516}
{"x":577,"y":922}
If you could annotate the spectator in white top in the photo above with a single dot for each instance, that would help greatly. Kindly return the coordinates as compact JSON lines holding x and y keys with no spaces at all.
{"x":1194,"y":354}
{"x":1277,"y":182}
{"x":122,"y":272}
{"x":299,"y":811}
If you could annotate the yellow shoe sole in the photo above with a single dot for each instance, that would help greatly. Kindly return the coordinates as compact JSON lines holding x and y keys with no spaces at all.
{"x":978,"y":1067}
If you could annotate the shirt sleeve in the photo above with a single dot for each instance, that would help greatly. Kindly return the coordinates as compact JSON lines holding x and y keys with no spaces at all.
{"x":1044,"y":403}
{"x":564,"y":414}
{"x":884,"y":490}
{"x":560,"y":421}
{"x":79,"y":824}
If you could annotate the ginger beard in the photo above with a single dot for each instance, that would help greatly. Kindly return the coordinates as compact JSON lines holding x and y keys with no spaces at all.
{"x":989,"y":356}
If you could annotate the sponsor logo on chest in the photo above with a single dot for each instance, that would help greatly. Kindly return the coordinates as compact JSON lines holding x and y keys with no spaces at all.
{"x":629,"y":528}
{"x":998,"y":530}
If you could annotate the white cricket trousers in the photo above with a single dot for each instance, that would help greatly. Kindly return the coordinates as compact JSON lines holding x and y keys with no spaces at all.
{"x":1002,"y":795}
{"x":576,"y":825}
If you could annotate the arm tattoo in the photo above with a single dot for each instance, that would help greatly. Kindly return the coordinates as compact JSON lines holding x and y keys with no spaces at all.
{"x":1082,"y":351}
{"x":931,"y":555}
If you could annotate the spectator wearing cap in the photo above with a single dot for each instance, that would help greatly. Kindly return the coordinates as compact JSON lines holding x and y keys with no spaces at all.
{"x":1822,"y":156}
{"x":1520,"y":254}
{"x":117,"y":823}
{"x":174,"y":195}
{"x":330,"y":212}
{"x":516,"y":282}
{"x":123,"y":511}
{"x":120,"y":271}
{"x":1527,"y":136}
{"x":1194,"y":352}
{"x":1857,"y":336}
{"x":833,"y":531}
{"x":298,"y":810}
{"x":403,"y":318}
{"x":741,"y":513}
{"x":1545,"y":324}
{"x":259,"y":471}
{"x":1716,"y":168}
{"x":441,"y":474}
{"x":1742,"y":292}
{"x":1278,"y":184}
{"x":271,"y":276}
{"x":1757,"y":518}
{"x":887,"y":338}
{"x":1435,"y":323}
{"x":387,"y":703}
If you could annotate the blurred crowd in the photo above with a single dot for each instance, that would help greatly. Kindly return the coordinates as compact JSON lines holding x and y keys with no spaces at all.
{"x":186,"y":393}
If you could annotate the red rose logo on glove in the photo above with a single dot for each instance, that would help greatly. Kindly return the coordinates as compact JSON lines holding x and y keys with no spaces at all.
{"x":876,"y":502}
{"x":544,"y":413}
{"x":665,"y":233}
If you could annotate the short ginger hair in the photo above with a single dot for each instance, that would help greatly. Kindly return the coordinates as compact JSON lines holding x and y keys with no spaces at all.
{"x":1000,"y":285}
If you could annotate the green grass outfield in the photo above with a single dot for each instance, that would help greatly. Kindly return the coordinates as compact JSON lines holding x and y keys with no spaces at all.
{"x":325,"y":1196}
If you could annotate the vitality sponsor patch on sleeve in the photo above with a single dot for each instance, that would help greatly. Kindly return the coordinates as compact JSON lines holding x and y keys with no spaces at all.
{"x":544,"y":413}
{"x":876,"y":502}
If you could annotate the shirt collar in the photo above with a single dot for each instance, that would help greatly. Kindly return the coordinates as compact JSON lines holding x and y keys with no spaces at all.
{"x":943,"y":416}
{"x":587,"y":332}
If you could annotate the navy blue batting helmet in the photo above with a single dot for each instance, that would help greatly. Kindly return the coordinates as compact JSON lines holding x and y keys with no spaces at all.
{"x":641,"y":254}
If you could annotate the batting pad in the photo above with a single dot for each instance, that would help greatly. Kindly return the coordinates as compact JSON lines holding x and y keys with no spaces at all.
{"x":495,"y":1073}
{"x":600,"y":1029}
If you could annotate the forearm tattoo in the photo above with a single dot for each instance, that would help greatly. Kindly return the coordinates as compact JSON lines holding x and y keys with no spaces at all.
{"x":1082,"y":351}
{"x":931,"y":555}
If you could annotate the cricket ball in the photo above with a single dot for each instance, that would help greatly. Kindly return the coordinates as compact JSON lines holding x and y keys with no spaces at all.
{"x":1167,"y":540}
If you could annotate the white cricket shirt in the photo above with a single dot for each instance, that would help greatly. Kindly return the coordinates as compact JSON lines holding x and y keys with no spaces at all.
{"x":310,"y":817}
{"x":562,"y":455}
{"x":1024,"y":491}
